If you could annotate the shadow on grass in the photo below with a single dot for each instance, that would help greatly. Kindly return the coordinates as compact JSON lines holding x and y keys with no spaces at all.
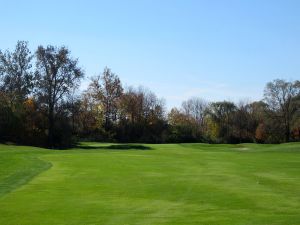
{"x":115,"y":147}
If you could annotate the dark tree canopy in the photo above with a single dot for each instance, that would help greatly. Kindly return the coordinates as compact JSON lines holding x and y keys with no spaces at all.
{"x":57,"y":75}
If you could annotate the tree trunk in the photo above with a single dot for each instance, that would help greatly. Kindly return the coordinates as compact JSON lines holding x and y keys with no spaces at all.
{"x":287,"y":127}
{"x":51,"y":125}
{"x":287,"y":132}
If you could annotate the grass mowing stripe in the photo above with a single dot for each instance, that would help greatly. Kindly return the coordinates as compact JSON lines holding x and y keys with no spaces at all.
{"x":168,"y":184}
{"x":17,"y":169}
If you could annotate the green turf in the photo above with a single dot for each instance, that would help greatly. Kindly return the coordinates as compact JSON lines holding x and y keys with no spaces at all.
{"x":151,"y":184}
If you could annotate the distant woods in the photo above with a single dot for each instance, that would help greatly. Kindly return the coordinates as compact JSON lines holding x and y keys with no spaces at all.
{"x":40,"y":105}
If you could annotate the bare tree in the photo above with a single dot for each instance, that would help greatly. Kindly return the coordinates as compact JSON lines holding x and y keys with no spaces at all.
{"x":244,"y":121}
{"x":280,"y":96}
{"x":107,"y":89}
{"x":197,"y":109}
{"x":142,"y":115}
{"x":140,"y":105}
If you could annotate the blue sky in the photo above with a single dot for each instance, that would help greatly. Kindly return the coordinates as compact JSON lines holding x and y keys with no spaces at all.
{"x":214,"y":49}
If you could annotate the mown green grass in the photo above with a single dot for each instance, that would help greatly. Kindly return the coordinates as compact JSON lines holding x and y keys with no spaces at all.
{"x":151,"y":184}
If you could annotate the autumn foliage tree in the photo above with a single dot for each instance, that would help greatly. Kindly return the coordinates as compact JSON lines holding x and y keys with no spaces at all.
{"x":41,"y":104}
{"x":107,"y":90}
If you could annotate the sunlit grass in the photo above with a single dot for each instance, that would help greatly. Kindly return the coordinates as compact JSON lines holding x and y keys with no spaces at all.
{"x":150,"y":184}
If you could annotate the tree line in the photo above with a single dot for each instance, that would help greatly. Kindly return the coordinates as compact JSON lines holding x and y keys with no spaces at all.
{"x":40,"y":105}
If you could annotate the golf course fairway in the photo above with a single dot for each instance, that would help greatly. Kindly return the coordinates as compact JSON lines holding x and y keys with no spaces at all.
{"x":142,"y":184}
